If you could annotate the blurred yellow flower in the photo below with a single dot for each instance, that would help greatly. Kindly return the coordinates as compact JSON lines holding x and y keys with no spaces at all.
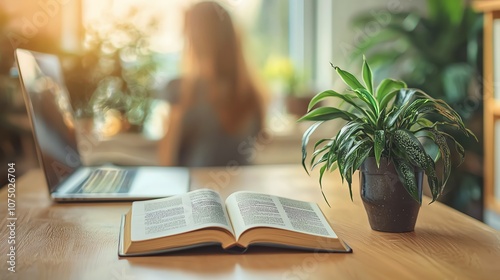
{"x":279,"y":68}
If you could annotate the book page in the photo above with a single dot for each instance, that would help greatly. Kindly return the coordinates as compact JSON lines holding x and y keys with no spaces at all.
{"x":173,"y":215}
{"x":249,"y":209}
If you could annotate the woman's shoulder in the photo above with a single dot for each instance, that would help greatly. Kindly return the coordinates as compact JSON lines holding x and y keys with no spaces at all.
{"x":172,"y":90}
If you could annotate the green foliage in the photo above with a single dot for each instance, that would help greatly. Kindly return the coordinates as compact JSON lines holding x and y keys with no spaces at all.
{"x":390,"y":122}
{"x":121,"y":66}
{"x":438,"y":51}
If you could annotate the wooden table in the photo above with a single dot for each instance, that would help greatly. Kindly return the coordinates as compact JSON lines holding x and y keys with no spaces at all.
{"x":79,"y":240}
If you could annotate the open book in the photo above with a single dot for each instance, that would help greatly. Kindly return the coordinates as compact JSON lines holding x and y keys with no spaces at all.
{"x":201,"y":218}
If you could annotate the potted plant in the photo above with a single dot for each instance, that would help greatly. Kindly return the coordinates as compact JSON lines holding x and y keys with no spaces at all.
{"x":389,"y":136}
{"x":437,"y":49}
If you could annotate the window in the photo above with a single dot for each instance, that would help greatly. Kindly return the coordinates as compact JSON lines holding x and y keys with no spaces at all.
{"x":281,"y":28}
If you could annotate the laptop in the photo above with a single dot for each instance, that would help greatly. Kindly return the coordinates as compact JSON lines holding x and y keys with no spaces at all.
{"x":55,"y":133}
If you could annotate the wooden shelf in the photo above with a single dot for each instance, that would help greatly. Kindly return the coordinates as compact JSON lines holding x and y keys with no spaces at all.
{"x":486,"y":5}
{"x":491,"y":10}
{"x":492,"y":204}
{"x":495,"y":109}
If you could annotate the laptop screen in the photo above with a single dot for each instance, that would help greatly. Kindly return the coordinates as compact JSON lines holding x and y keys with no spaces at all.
{"x":51,"y":114}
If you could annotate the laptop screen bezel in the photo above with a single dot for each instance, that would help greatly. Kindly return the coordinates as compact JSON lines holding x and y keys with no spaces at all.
{"x":30,"y":112}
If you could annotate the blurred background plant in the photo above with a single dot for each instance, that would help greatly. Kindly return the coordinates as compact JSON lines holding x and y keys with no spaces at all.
{"x":5,"y":65}
{"x":119,"y":70}
{"x":439,"y":51}
{"x":4,"y":21}
{"x":280,"y":70}
{"x":284,"y":77}
{"x":10,"y":101}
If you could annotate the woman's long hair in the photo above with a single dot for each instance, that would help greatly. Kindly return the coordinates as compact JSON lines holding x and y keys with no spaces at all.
{"x":214,"y":55}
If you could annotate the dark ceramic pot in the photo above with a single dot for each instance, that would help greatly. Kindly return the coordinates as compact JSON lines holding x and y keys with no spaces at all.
{"x":389,"y":206}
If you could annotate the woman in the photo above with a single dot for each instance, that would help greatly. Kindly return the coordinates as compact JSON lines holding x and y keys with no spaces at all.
{"x":216,"y":106}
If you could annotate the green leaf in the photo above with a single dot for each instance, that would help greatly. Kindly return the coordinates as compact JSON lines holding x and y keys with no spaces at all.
{"x":321,"y":141}
{"x":408,"y":145}
{"x":352,"y":152}
{"x":353,"y":155}
{"x":320,"y":96}
{"x":363,"y":153}
{"x":470,"y":133}
{"x":349,"y":184}
{"x":429,"y":145}
{"x":412,"y":112}
{"x":386,"y":99}
{"x":364,"y":95}
{"x":381,"y":118}
{"x":305,"y":141}
{"x":367,"y":76}
{"x":459,"y":148}
{"x":327,"y":93}
{"x":345,"y":97}
{"x":379,"y":144}
{"x":343,"y":150}
{"x":406,"y":174}
{"x":424,"y":122}
{"x":345,"y":162}
{"x":348,"y":131}
{"x":321,"y":172}
{"x":439,"y":139}
{"x":387,"y":86}
{"x":404,"y":96}
{"x":319,"y":151}
{"x":326,"y":114}
{"x":441,"y":108}
{"x":333,"y":167}
{"x":402,"y":99}
{"x":436,"y":189}
{"x":348,"y":78}
{"x":323,"y":159}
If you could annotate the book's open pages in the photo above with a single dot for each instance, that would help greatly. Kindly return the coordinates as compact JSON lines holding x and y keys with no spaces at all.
{"x":169,"y":216}
{"x":200,"y":218}
{"x":250,"y":210}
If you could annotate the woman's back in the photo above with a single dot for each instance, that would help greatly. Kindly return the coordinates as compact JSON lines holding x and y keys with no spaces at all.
{"x":204,"y":139}
{"x":216,"y":106}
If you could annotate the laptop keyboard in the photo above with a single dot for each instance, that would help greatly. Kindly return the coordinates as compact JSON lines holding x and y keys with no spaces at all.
{"x":107,"y":181}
